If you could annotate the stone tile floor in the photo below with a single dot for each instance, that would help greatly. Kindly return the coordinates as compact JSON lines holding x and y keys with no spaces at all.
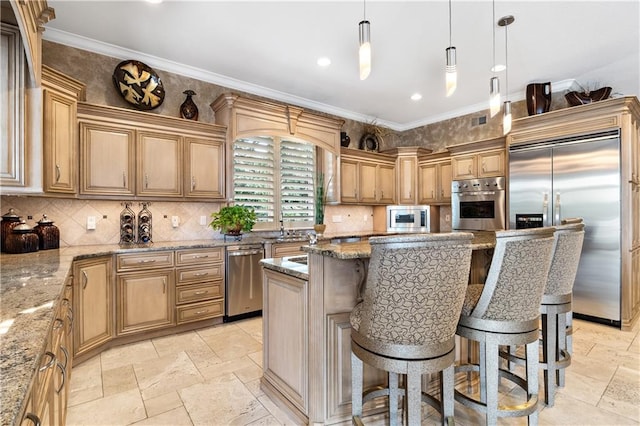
{"x":212,"y":377}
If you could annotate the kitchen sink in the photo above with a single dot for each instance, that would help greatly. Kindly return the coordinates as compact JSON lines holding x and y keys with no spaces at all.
{"x":303,"y":260}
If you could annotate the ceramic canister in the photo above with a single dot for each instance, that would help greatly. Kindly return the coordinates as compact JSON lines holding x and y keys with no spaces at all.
{"x":9,"y":221}
{"x":22,"y":239}
{"x":48,"y":233}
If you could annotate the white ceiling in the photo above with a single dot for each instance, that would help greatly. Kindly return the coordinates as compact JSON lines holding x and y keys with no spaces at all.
{"x":270,"y":48}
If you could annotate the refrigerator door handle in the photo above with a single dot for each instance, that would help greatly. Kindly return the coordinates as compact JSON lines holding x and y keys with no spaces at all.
{"x":557,"y":209}
{"x":545,"y":207}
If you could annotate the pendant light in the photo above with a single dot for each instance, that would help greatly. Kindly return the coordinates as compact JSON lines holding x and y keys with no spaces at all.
{"x":505,"y":21}
{"x":364,"y":53}
{"x":451,"y":75}
{"x":494,"y":83}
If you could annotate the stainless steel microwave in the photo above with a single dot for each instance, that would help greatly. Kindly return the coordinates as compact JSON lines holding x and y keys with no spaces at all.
{"x":413,"y":219}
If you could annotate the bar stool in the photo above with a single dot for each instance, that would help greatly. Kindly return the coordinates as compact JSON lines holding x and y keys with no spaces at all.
{"x":555,"y":307}
{"x":506,"y":311}
{"x":407,"y":319}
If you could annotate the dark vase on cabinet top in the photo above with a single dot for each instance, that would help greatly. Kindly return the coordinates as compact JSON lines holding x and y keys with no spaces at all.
{"x":538,"y":98}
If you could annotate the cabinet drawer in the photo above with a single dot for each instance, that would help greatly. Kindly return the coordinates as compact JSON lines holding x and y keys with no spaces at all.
{"x":200,"y":311}
{"x":213,"y":272}
{"x":157,"y":259}
{"x":198,"y":256}
{"x":287,"y":249}
{"x":199,"y":292}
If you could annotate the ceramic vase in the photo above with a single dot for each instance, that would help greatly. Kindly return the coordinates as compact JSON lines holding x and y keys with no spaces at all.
{"x":538,"y":98}
{"x":188,"y":109}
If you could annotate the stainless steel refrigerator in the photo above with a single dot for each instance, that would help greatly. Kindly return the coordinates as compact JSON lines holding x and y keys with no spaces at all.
{"x":575,"y":177}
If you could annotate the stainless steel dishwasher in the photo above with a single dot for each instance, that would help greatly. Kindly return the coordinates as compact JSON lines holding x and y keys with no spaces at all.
{"x":243,"y":292}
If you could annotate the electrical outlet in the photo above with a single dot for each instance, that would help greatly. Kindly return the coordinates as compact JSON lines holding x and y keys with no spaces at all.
{"x":203,"y":220}
{"x":91,"y":222}
{"x":336,"y":218}
{"x":447,"y":218}
{"x":175,"y":221}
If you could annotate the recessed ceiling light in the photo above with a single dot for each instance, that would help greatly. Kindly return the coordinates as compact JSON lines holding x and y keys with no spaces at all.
{"x":324,"y":61}
{"x":416,"y":97}
{"x":498,"y":68}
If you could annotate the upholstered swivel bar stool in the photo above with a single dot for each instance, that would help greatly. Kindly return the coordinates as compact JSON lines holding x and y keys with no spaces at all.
{"x":506,"y":311}
{"x":407,"y":319}
{"x":556,"y":306}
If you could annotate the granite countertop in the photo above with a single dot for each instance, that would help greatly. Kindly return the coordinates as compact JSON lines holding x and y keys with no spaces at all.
{"x":287,"y":266}
{"x":30,"y":286}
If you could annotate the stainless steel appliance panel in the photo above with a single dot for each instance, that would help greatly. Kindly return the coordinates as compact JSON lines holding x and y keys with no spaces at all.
{"x":243,"y":280}
{"x":478,"y":204}
{"x":576,"y":178}
{"x":413,"y":219}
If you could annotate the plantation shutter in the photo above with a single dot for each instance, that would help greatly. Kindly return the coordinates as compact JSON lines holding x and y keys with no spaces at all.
{"x":297,"y":167}
{"x":253,"y":176}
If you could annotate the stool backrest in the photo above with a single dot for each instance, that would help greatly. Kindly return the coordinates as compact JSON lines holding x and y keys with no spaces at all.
{"x":517,"y":275}
{"x":415,"y":287}
{"x":567,"y":248}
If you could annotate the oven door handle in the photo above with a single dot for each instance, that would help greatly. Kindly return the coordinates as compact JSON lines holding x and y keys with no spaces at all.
{"x":476,"y":194}
{"x":243,"y":253}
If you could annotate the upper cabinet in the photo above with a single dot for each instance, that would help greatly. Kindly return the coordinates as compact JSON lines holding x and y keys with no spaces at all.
{"x":407,"y":173}
{"x":367,"y":178}
{"x":60,"y":105}
{"x":130,"y":153}
{"x":434,"y":178}
{"x":478,"y":159}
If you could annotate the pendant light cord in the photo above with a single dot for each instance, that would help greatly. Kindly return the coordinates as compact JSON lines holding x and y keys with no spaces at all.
{"x":364,"y":10}
{"x":493,"y":26}
{"x":449,"y":23}
{"x":506,"y":62}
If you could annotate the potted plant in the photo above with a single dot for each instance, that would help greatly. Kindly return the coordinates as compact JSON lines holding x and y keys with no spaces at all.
{"x":320,"y":203}
{"x":232,"y":220}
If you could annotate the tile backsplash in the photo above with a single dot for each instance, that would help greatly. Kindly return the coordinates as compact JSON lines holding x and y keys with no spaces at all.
{"x":70,"y":216}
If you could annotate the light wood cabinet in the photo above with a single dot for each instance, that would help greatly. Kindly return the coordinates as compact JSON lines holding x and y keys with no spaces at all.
{"x":286,"y":338}
{"x":93,"y":303}
{"x":149,"y":155}
{"x":60,"y":104}
{"x":407,"y":172}
{"x":145,"y":301}
{"x":292,"y":248}
{"x":434,"y":181}
{"x":159,"y":164}
{"x":107,"y":162}
{"x":367,"y":178}
{"x":480,"y":165}
{"x":202,"y":178}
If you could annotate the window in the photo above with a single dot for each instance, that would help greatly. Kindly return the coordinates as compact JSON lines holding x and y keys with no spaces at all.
{"x":275,"y":176}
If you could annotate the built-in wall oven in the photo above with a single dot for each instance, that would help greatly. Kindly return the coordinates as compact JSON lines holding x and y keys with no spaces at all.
{"x":478,"y":204}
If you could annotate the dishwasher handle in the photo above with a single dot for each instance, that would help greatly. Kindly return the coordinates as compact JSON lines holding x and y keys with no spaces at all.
{"x":244,"y":252}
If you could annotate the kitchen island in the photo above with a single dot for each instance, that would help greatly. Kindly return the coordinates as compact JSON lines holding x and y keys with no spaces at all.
{"x":306,"y":329}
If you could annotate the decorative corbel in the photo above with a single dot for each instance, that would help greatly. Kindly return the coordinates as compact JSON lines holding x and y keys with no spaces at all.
{"x":293,"y":113}
{"x":47,"y":14}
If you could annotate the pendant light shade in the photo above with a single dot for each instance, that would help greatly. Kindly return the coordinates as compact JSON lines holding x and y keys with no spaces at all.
{"x":494,"y":96}
{"x":451,"y":70}
{"x":364,"y":53}
{"x":506,"y":119}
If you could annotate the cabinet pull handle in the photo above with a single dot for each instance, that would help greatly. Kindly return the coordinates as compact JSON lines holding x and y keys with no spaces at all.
{"x":146,"y":260}
{"x":63,"y":370}
{"x":469,"y":168}
{"x":146,"y":181}
{"x":432,"y":195}
{"x":442,"y":192}
{"x":35,"y":419}
{"x":202,"y":312}
{"x":52,"y":360}
{"x":200,"y":256}
{"x":200,"y":274}
{"x":57,"y":173}
{"x":198,"y":293}
{"x":85,"y":279}
{"x":483,"y":168}
{"x":124,"y":180}
{"x":193,"y":183}
{"x":164,"y":285}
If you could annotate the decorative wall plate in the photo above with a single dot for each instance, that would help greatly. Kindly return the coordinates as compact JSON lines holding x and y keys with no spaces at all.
{"x":369,"y":142}
{"x":138,"y":84}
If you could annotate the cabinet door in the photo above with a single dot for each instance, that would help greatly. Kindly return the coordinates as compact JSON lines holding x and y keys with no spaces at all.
{"x":107,"y":156}
{"x":464,"y":166}
{"x":93,"y":303}
{"x":159,"y":164}
{"x":387,"y":184}
{"x":427,"y":183}
{"x":491,"y":164}
{"x":60,"y":143}
{"x":204,"y":176}
{"x":349,"y":181}
{"x":407,"y":179}
{"x":367,"y":182}
{"x":145,"y":301}
{"x":445,"y":181}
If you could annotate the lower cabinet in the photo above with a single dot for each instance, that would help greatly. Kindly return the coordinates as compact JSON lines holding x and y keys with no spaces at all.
{"x":93,"y":303}
{"x":145,"y":301}
{"x":287,"y":249}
